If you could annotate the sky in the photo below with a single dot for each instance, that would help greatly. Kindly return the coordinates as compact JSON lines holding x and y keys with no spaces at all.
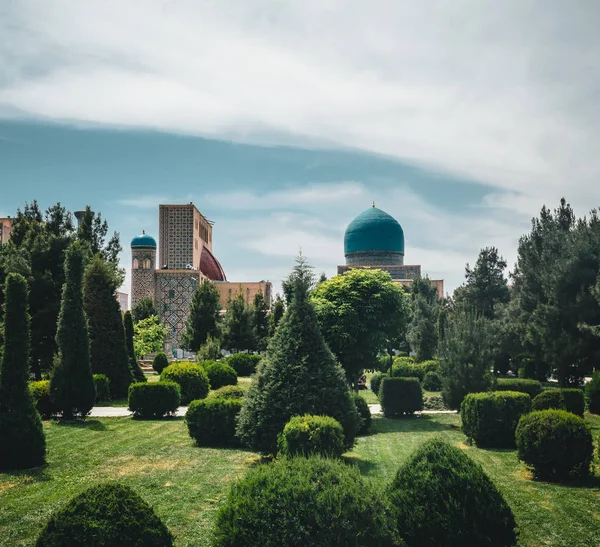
{"x":282,"y":121}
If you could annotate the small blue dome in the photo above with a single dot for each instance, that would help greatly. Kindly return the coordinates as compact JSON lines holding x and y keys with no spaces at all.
{"x":374,"y":230}
{"x":144,"y":240}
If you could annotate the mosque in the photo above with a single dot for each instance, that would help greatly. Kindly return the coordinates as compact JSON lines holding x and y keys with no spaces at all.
{"x":375,"y":239}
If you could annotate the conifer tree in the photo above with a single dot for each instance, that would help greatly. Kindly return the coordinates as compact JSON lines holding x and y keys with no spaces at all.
{"x":277,"y":311}
{"x":22,"y":441}
{"x":237,"y":331}
{"x":72,"y":385}
{"x":423,"y":329}
{"x":108,"y":352}
{"x":204,"y":318}
{"x":260,"y":322}
{"x":137,"y":372}
{"x":299,"y":375}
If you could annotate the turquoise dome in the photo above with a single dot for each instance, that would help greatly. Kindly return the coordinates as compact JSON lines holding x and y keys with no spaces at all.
{"x":143,"y":240}
{"x":374,"y":230}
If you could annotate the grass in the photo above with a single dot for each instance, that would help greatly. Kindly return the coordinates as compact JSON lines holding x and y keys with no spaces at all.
{"x":185,"y":484}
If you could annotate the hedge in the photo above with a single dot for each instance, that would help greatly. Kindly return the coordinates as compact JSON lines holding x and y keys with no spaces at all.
{"x":102,"y":386}
{"x":408,"y":371}
{"x":244,"y":363}
{"x":400,"y":396}
{"x":154,"y":399}
{"x":212,"y":422}
{"x":308,"y":435}
{"x":531,"y":387}
{"x":192,"y":380}
{"x":376,"y":381}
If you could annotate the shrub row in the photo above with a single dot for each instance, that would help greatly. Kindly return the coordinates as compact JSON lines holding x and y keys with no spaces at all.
{"x":531,"y":387}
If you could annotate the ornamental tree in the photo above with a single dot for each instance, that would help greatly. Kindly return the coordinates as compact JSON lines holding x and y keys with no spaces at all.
{"x":149,"y":336}
{"x":137,"y":372}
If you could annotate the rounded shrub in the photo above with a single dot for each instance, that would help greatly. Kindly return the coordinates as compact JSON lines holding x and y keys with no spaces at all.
{"x":363,"y":413}
{"x":432,"y":365}
{"x":432,"y":381}
{"x":212,"y":422}
{"x":408,"y":370}
{"x":548,"y":399}
{"x":313,"y":502}
{"x":442,"y":497}
{"x":160,"y":362}
{"x":532,"y":387}
{"x":192,"y":380}
{"x":556,"y":444}
{"x":154,"y":399}
{"x":376,"y":381}
{"x":244,"y":364}
{"x":219,"y":374}
{"x":592,"y":391}
{"x":400,"y":396}
{"x":102,"y":386}
{"x":40,"y":392}
{"x":574,"y":400}
{"x":490,"y":419}
{"x":307,"y":435}
{"x":228,"y":392}
{"x":106,"y":514}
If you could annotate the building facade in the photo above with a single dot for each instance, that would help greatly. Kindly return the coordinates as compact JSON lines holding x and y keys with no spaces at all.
{"x":5,"y":229}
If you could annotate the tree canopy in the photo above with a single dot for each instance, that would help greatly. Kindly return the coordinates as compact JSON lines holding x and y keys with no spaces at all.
{"x":204,"y":318}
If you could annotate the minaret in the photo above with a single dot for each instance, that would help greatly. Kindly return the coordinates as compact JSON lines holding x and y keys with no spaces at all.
{"x":143,"y":266}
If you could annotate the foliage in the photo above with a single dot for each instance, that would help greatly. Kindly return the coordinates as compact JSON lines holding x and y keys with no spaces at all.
{"x":408,"y":370}
{"x":237,"y":325}
{"x":22,"y":440}
{"x":149,"y":336}
{"x":313,"y":502}
{"x":432,"y":365}
{"x":277,"y":311}
{"x":40,"y":391}
{"x":556,"y":444}
{"x":92,"y":232}
{"x":260,"y":322}
{"x":102,"y":387}
{"x":490,"y":419}
{"x":574,"y":400}
{"x":423,"y":329}
{"x":299,"y":375}
{"x":160,"y":362}
{"x":465,"y":356}
{"x":309,"y":435}
{"x":219,"y":374}
{"x":432,"y":381}
{"x":360,"y":313}
{"x":592,"y":391}
{"x":376,"y":381}
{"x":106,"y":514}
{"x":442,"y":497}
{"x":72,"y":385}
{"x":228,"y":392}
{"x":531,"y":387}
{"x":192,"y":380}
{"x":571,"y":400}
{"x":400,"y":396}
{"x":364,"y":413}
{"x":144,"y":309}
{"x":154,"y":399}
{"x":210,"y":350}
{"x":204,"y":317}
{"x":434,"y":402}
{"x":138,"y":373}
{"x":244,"y":364}
{"x":212,"y":422}
{"x":108,"y":351}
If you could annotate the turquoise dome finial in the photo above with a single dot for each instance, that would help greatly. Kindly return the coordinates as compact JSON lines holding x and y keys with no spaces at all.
{"x":374,"y":231}
{"x":143,"y":240}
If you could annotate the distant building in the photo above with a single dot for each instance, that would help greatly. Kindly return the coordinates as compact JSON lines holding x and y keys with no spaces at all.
{"x":5,"y":229}
{"x":123,"y":300}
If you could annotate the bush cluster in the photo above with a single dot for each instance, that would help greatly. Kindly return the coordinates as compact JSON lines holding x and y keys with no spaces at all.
{"x":376,"y":381}
{"x":160,"y":362}
{"x":244,"y":364}
{"x":592,"y":391}
{"x":432,"y":381}
{"x":407,"y":370}
{"x":556,"y":444}
{"x":228,"y":392}
{"x":571,"y":400}
{"x":433,"y":365}
{"x":363,"y":413}
{"x":40,"y":392}
{"x":106,"y":514}
{"x":400,"y":396}
{"x":434,"y":402}
{"x":192,"y":380}
{"x":308,"y":435}
{"x":219,"y":374}
{"x":490,"y":419}
{"x":531,"y":387}
{"x":102,"y":386}
{"x":154,"y":399}
{"x":212,"y":422}
{"x":574,"y":401}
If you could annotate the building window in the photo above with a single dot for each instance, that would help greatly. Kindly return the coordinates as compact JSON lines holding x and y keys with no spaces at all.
{"x":147,"y":264}
{"x":136,"y":263}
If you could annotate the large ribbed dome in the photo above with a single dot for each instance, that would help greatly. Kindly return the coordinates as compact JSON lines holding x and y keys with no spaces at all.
{"x":144,"y":240}
{"x":374,"y":231}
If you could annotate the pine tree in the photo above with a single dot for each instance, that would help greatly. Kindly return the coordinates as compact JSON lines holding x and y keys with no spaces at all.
{"x":137,"y":372}
{"x":277,"y":311}
{"x":22,"y":441}
{"x":260,"y":322}
{"x":204,"y":317}
{"x":299,"y":375}
{"x":108,"y":352}
{"x":237,"y":330}
{"x":72,"y":385}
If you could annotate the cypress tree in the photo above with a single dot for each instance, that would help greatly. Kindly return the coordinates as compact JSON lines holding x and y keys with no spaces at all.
{"x":237,"y":330}
{"x":108,"y":352}
{"x":72,"y":385}
{"x":299,"y":375}
{"x":203,"y":320}
{"x":22,"y":441}
{"x":137,"y":372}
{"x":260,"y":322}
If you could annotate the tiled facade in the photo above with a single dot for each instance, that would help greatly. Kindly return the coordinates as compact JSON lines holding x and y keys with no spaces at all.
{"x":143,"y":267}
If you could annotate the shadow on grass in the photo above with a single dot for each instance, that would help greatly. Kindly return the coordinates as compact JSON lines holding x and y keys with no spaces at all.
{"x":592,"y":482}
{"x":366,"y":467}
{"x":158,"y":419}
{"x":33,"y":474}
{"x":92,"y":425}
{"x":422,"y":422}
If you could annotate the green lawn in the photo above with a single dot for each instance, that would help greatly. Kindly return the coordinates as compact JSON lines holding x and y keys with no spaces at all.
{"x":186,"y":484}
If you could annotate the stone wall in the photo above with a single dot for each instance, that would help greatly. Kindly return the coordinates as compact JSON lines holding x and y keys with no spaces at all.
{"x":374,"y":258}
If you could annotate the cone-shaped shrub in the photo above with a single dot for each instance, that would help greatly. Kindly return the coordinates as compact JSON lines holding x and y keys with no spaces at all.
{"x":136,"y":370}
{"x":299,"y":375}
{"x":108,"y":352}
{"x":72,"y":385}
{"x":160,"y":362}
{"x":442,"y":497}
{"x":106,"y":514}
{"x":22,"y":441}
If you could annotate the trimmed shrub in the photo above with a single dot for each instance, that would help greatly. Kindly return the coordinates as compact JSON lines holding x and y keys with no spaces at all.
{"x":574,"y":400}
{"x":313,"y":502}
{"x":432,"y":381}
{"x":106,"y":514}
{"x":433,"y":365}
{"x":244,"y":364}
{"x":219,"y":374}
{"x":228,"y":392}
{"x":308,"y":435}
{"x":442,"y":497}
{"x":212,"y":422}
{"x":592,"y":391}
{"x":40,"y":392}
{"x":408,"y":371}
{"x":556,"y":444}
{"x":376,"y":381}
{"x":532,"y":387}
{"x":571,"y":400}
{"x":102,"y":385}
{"x":192,"y":380}
{"x":434,"y":402}
{"x":400,"y":396}
{"x":154,"y":399}
{"x":160,"y":362}
{"x":363,"y":413}
{"x":490,"y":419}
